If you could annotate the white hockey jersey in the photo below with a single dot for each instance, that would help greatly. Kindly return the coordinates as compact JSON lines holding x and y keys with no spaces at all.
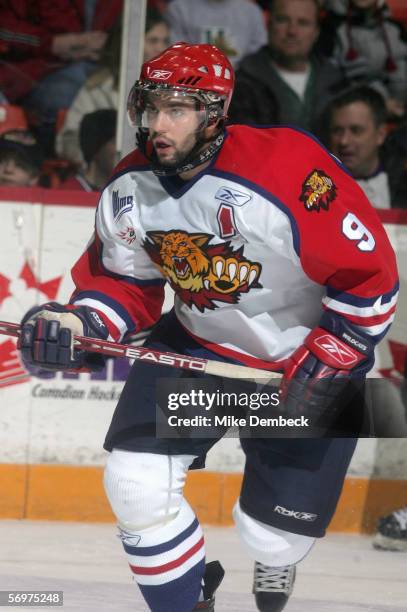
{"x":255,"y":246}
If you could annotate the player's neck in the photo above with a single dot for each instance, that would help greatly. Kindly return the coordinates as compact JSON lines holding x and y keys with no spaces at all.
{"x":189,"y":174}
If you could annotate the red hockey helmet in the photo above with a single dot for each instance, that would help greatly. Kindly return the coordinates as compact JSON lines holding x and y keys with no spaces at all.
{"x":201,"y":71}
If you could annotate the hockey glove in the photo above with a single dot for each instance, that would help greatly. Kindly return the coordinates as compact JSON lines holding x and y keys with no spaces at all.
{"x":47,"y":333}
{"x":319,"y":371}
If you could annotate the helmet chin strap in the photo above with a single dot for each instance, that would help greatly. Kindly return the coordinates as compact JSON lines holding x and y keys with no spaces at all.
{"x":194,"y":158}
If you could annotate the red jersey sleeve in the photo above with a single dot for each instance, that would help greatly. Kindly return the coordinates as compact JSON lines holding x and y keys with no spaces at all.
{"x":336,"y":233}
{"x":116,"y":276}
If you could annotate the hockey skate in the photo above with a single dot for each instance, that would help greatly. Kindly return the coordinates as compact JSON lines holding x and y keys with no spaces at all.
{"x":272,"y":586}
{"x":214,"y":573}
{"x":392,"y":531}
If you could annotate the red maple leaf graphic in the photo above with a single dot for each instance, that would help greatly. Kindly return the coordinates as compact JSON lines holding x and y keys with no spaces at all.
{"x":399,"y":355}
{"x":4,"y":288}
{"x":49,"y":288}
{"x":11,"y":370}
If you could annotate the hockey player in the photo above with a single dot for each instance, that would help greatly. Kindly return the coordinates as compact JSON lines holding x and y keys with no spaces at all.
{"x":277,"y":260}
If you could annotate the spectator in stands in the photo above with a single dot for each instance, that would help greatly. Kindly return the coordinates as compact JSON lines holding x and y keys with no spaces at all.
{"x":357,"y":127}
{"x":97,"y":140}
{"x":48,"y":49}
{"x":253,"y":103}
{"x":296,"y":84}
{"x":21,"y":159}
{"x":101,"y":88}
{"x":157,"y":34}
{"x":236,"y":27}
{"x":394,"y":154}
{"x":369,"y":46}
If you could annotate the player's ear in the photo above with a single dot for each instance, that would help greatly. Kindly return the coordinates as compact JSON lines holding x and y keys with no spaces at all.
{"x":213,"y":129}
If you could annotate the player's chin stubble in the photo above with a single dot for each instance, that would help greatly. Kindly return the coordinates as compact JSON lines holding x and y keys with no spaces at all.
{"x":175,"y":160}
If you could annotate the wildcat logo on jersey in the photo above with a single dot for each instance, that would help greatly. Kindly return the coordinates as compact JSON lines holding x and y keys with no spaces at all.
{"x":318,"y":191}
{"x":129,"y":235}
{"x":120,"y":205}
{"x":199,"y":273}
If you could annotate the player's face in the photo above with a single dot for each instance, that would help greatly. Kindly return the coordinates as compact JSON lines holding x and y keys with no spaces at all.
{"x":156,"y":40}
{"x":173,"y":123}
{"x":355,"y":138}
{"x":14,"y":175}
{"x":293,"y":28}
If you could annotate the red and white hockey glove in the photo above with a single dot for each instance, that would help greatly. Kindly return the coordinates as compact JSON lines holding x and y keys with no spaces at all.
{"x":47,"y":332}
{"x":318,"y":372}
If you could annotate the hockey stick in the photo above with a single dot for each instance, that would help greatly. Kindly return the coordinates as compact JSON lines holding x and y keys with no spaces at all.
{"x":114,"y":349}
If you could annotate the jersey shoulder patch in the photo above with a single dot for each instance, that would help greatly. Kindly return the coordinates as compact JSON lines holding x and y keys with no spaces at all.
{"x":283,"y":164}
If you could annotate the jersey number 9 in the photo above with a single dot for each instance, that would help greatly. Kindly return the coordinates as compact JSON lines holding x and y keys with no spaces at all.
{"x":355,"y":230}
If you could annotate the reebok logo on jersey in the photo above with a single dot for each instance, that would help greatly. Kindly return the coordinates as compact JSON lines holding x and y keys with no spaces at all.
{"x":318,"y":191}
{"x":336,"y":349}
{"x":160,"y":74}
{"x":121,"y":205}
{"x":302,"y":516}
{"x":232,"y":196}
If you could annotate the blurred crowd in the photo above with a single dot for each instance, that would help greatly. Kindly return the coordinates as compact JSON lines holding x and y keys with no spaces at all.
{"x":337,"y":68}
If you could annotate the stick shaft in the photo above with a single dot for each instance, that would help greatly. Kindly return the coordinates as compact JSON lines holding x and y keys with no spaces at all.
{"x":175,"y":360}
